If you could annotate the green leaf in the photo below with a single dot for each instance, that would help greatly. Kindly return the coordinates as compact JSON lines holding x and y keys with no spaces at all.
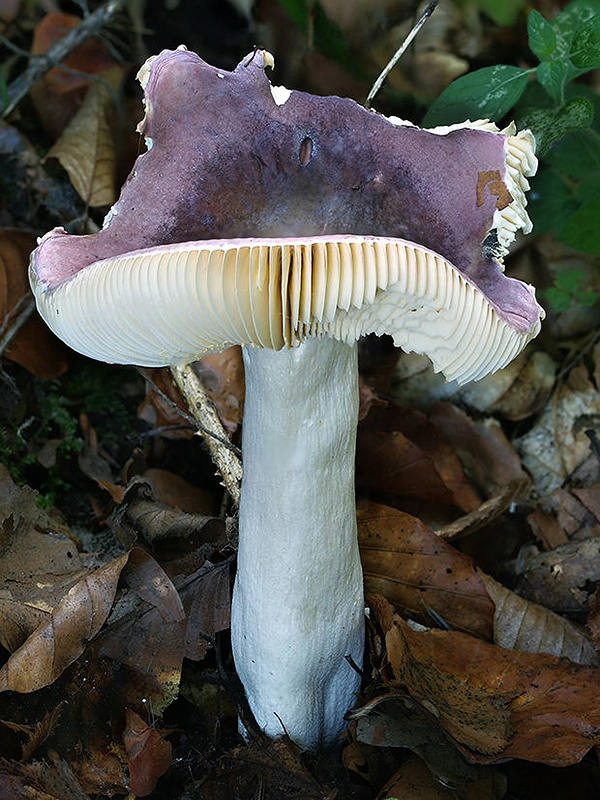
{"x":551,"y":200}
{"x":542,"y":39}
{"x":586,"y":298}
{"x":558,"y":298}
{"x":486,"y":93}
{"x":581,"y":230}
{"x":504,"y":13}
{"x":585,"y":49}
{"x":553,"y":75}
{"x":569,"y":280}
{"x":548,"y":124}
{"x":298,"y":11}
{"x":577,"y":155}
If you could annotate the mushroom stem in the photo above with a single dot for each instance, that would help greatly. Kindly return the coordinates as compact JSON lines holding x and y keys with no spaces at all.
{"x":298,"y":608}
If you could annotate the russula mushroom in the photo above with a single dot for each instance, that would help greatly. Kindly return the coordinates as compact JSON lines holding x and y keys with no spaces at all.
{"x":294,"y":224}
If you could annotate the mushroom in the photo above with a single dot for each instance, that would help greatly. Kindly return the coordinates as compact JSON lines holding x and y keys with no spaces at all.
{"x":294,"y":224}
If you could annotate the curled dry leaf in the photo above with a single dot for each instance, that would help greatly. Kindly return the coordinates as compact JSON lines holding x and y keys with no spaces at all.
{"x":33,"y":346}
{"x":86,"y":147}
{"x":522,"y":625}
{"x":556,"y":446}
{"x":497,"y":703}
{"x":174,"y":491}
{"x":418,"y":572}
{"x":139,"y":514}
{"x":402,"y":453}
{"x":149,"y":755}
{"x":60,"y":639}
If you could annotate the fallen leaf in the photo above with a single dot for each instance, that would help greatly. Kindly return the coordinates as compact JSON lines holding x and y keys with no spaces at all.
{"x":400,"y":452}
{"x":174,"y":491}
{"x":33,"y":346}
{"x":148,"y":753}
{"x":522,"y":625}
{"x":222,"y":375}
{"x":497,"y":703}
{"x":484,"y":450}
{"x":86,"y":147}
{"x":419,"y":573}
{"x":39,"y":780}
{"x":60,"y":93}
{"x":413,"y":781}
{"x":563,"y":578}
{"x":163,"y":407}
{"x":61,"y":639}
{"x":554,"y":447}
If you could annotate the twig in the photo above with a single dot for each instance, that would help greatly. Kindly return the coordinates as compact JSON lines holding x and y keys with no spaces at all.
{"x":400,"y":51}
{"x":40,"y":64}
{"x":201,"y":407}
{"x":17,"y":318}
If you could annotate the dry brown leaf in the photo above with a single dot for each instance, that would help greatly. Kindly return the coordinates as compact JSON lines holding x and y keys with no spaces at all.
{"x":563,"y":578}
{"x":398,"y":721}
{"x":39,"y":780}
{"x":482,"y":447}
{"x":86,"y":147}
{"x":487,"y":512}
{"x":413,"y":781}
{"x":39,"y":562}
{"x":139,"y":514}
{"x":555,"y":446}
{"x":418,"y":572}
{"x":402,"y":453}
{"x":164,"y":407}
{"x":151,"y":638}
{"x":497,"y":703}
{"x":222,"y":375}
{"x":148,"y":753}
{"x":33,"y":346}
{"x":174,"y":491}
{"x":59,"y":94}
{"x":517,"y":391}
{"x":522,"y":625}
{"x":61,"y":639}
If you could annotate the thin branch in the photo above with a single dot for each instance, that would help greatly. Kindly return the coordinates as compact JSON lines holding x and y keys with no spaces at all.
{"x":40,"y":64}
{"x":400,"y":51}
{"x":202,"y":409}
{"x":15,"y":321}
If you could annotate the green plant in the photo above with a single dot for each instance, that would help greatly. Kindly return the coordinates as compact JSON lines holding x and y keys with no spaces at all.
{"x":570,"y":286}
{"x":563,"y":114}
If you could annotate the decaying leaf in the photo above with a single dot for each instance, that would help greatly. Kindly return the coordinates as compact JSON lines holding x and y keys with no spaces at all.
{"x":86,"y":147}
{"x":520,"y":624}
{"x":58,"y":641}
{"x":39,"y":780}
{"x":563,"y":578}
{"x":148,"y":753}
{"x":39,"y":562}
{"x":421,"y":574}
{"x":33,"y":345}
{"x":496,"y":703}
{"x":164,"y":407}
{"x":556,"y":446}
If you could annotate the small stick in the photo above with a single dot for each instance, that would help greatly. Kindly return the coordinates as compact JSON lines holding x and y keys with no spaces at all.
{"x":15,"y":321}
{"x":39,"y":65}
{"x":202,"y":409}
{"x":400,"y":51}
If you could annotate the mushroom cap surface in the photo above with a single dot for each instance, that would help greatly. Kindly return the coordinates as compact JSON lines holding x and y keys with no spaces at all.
{"x":261,"y":216}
